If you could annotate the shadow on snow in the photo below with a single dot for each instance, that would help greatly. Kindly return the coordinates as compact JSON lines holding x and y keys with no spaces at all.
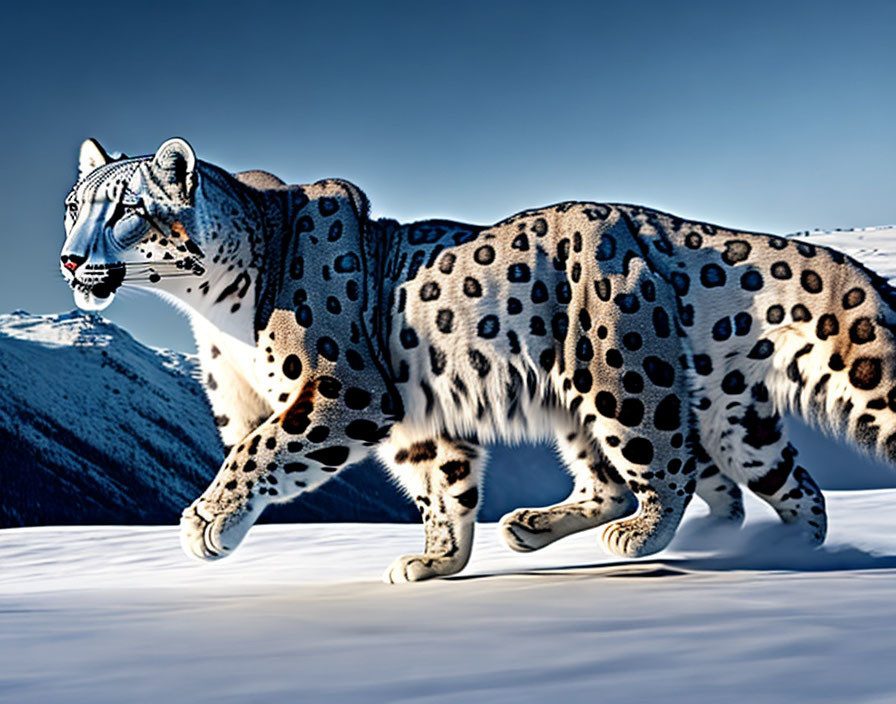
{"x":763,"y":547}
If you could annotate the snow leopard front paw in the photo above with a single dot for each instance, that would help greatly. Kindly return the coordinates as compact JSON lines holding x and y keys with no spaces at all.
{"x":207,"y":536}
{"x":528,"y":529}
{"x":637,"y":537}
{"x":525,"y":530}
{"x":198,"y":537}
{"x":416,"y":568}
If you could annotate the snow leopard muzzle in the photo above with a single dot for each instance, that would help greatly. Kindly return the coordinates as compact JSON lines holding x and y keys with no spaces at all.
{"x":99,"y":280}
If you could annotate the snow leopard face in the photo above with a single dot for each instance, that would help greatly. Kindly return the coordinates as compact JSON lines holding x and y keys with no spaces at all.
{"x":128,"y":222}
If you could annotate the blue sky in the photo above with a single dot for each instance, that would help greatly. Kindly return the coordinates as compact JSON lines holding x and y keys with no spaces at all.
{"x":774,"y":116}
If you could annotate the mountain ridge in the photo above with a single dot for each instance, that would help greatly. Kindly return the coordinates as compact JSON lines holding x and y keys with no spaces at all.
{"x":97,"y":428}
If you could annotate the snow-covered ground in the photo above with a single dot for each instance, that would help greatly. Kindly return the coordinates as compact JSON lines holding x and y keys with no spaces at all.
{"x":118,"y":614}
{"x":298,"y":615}
{"x":875,"y":247}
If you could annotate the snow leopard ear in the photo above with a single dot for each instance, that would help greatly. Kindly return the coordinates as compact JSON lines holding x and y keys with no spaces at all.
{"x":91,"y":158}
{"x":174,"y":169}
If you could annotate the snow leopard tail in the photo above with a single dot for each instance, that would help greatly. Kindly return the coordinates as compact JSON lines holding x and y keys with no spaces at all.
{"x":805,"y":325}
{"x":836,"y":365}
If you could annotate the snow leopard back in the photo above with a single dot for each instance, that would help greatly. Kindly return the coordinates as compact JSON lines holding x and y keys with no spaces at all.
{"x":490,"y":328}
{"x":501,"y":332}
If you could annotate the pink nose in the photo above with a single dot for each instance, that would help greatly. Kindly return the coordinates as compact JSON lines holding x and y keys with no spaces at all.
{"x":72,"y":261}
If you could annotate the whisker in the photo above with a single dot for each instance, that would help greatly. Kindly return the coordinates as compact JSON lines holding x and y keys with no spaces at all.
{"x":158,"y":265}
{"x":164,"y":270}
{"x":149,"y":279}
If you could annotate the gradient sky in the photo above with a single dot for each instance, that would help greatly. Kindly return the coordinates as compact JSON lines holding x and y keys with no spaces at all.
{"x":769,"y":116}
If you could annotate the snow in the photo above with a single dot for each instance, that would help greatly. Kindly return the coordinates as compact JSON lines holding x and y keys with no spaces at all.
{"x":113,"y":614}
{"x":118,"y":614}
{"x":875,"y":247}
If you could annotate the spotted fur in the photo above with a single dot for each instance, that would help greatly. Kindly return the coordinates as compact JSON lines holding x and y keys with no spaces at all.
{"x":658,"y":353}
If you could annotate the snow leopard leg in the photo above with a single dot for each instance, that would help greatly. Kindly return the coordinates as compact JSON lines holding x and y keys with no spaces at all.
{"x":791,"y":491}
{"x":754,"y":451}
{"x":632,"y":394}
{"x":296,"y":450}
{"x":718,"y":491}
{"x":442,"y":476}
{"x":655,"y":462}
{"x":721,"y":494}
{"x":663,"y":495}
{"x":599,"y":495}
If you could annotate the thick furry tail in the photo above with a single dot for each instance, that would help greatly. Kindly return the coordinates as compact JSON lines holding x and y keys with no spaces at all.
{"x":835,"y":363}
{"x":810,"y":327}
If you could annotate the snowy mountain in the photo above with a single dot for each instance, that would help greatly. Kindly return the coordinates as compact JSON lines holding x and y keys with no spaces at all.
{"x":98,"y":428}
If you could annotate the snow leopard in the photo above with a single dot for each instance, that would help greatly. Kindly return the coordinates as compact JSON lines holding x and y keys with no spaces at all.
{"x":658,"y":353}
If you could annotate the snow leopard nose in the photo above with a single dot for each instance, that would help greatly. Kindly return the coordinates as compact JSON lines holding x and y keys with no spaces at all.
{"x":72,"y":261}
